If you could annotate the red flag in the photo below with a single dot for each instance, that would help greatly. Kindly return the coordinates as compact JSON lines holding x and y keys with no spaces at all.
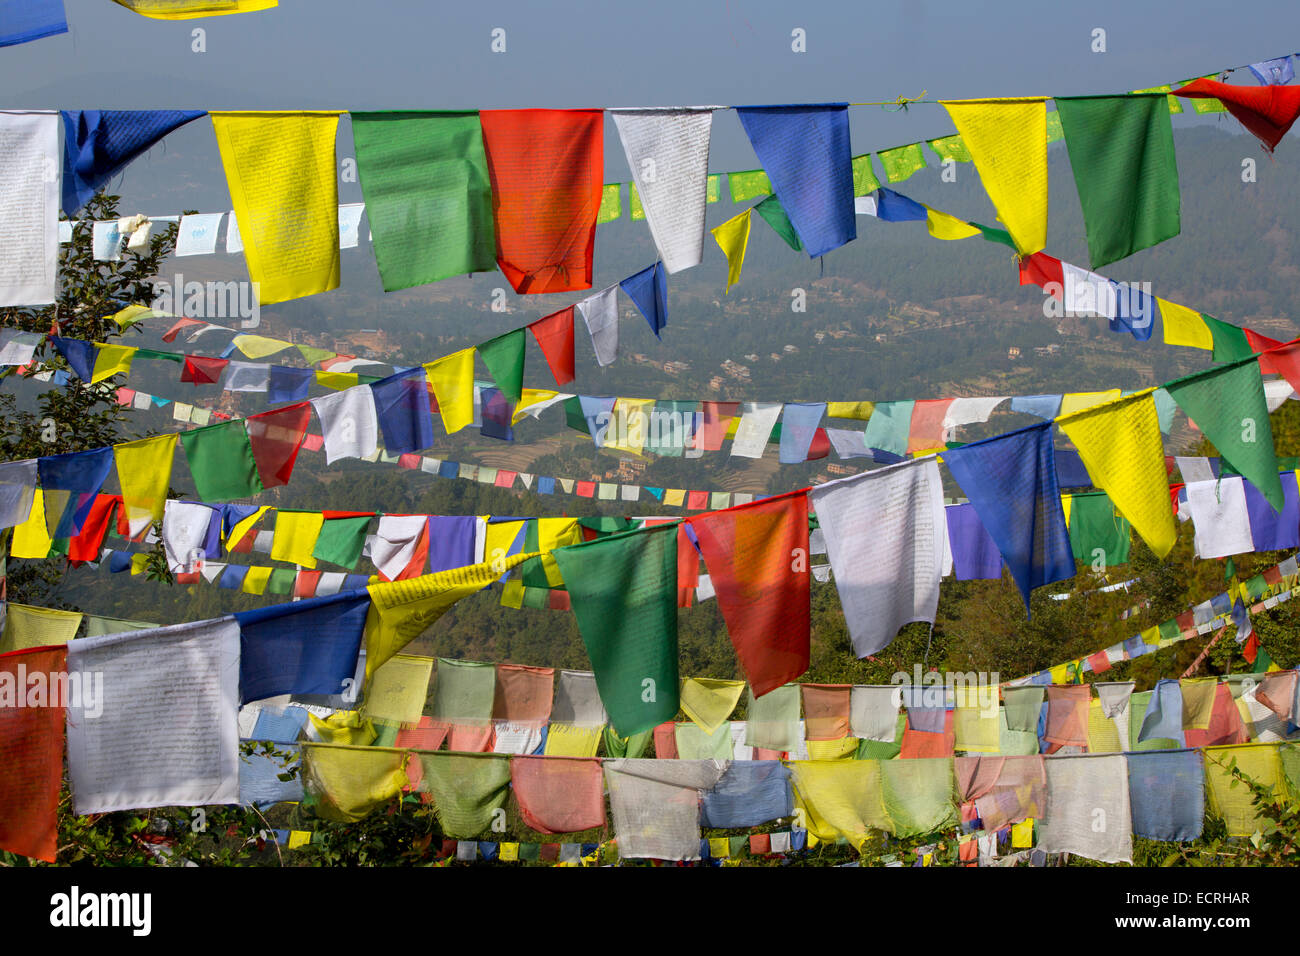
{"x":170,"y":334}
{"x":1267,"y":111}
{"x":757,"y":556}
{"x":697,"y":500}
{"x":85,"y":546}
{"x":547,"y":171}
{"x":276,"y":437}
{"x":688,"y":567}
{"x":1100,"y":662}
{"x":927,"y":430}
{"x":1282,"y":359}
{"x":554,"y":335}
{"x":1259,"y":343}
{"x":820,"y":446}
{"x":1040,"y":269}
{"x":202,"y":370}
{"x":31,"y":739}
{"x":304,"y":585}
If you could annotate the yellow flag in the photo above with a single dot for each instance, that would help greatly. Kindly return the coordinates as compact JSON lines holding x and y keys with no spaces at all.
{"x":674,"y":497}
{"x":1007,"y":139}
{"x":1236,"y":805}
{"x":1022,"y":834}
{"x":719,"y":847}
{"x":243,"y":527}
{"x":1072,"y":402}
{"x":555,"y":533}
{"x":452,"y":379}
{"x":1184,"y":326}
{"x":709,"y":702}
{"x":31,"y":538}
{"x":188,"y":9}
{"x":630,"y":427}
{"x":1061,"y":674}
{"x":144,"y":470}
{"x":859,"y":410}
{"x":572,"y":740}
{"x":399,"y":690}
{"x":299,"y":838}
{"x":344,"y":727}
{"x":400,"y":611}
{"x":26,"y":627}
{"x":259,"y":346}
{"x":111,"y":360}
{"x":843,"y":748}
{"x":509,"y":852}
{"x":977,"y":721}
{"x":733,"y":238}
{"x":840,"y":798}
{"x":1119,"y":443}
{"x":498,"y":537}
{"x":280,"y":170}
{"x":1067,"y":505}
{"x":139,"y":563}
{"x":295,"y":536}
{"x":349,"y":782}
{"x":134,"y":313}
{"x":1103,"y":731}
{"x":337,"y":380}
{"x":528,"y":398}
{"x":944,"y":226}
{"x":255,"y":580}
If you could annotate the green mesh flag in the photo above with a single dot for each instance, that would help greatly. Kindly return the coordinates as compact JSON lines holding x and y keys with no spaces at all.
{"x":1256,"y":587}
{"x":1230,"y":342}
{"x":1175,"y":106}
{"x":1122,"y":155}
{"x":1022,"y":705}
{"x":748,"y":184}
{"x":617,"y":747}
{"x":714,"y":188}
{"x":341,"y":541}
{"x":623,"y":590}
{"x":221,"y":461}
{"x":281,"y":580}
{"x":634,"y":202}
{"x":669,"y":425}
{"x":864,"y":177}
{"x":1054,"y":131}
{"x":1099,"y":536}
{"x":1208,"y":104}
{"x":918,"y":795}
{"x":951,"y":147}
{"x":1227,"y":404}
{"x":504,"y":358}
{"x":464,"y":691}
{"x":425,"y":181}
{"x":774,"y":215}
{"x":467,"y":789}
{"x":1169,"y":630}
{"x":611,"y":204}
{"x":901,"y":162}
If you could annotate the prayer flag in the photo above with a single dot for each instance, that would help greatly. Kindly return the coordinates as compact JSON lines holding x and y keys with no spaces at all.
{"x":733,"y":239}
{"x":554,"y":335}
{"x":221,"y":461}
{"x":144,"y":470}
{"x":98,"y":144}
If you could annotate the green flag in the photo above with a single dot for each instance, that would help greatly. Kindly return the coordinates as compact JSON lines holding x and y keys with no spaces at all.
{"x":504,"y":357}
{"x":748,"y":184}
{"x":467,"y":789}
{"x":1230,"y":342}
{"x":221,"y":461}
{"x":574,"y":417}
{"x":1122,"y":154}
{"x":611,"y":206}
{"x":281,"y":581}
{"x":864,"y":177}
{"x":341,"y":541}
{"x":951,"y":147}
{"x":623,"y":590}
{"x":671,"y":424}
{"x":1097,"y":532}
{"x":774,"y":215}
{"x":902,"y":161}
{"x":428,"y":197}
{"x":1227,"y":404}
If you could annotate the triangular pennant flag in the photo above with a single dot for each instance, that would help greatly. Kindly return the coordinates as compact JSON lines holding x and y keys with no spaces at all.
{"x":1119,"y":442}
{"x":1122,"y":155}
{"x":554,"y":335}
{"x":452,"y":379}
{"x":1266,"y":111}
{"x":668,"y":152}
{"x":762,"y":585}
{"x":144,"y":470}
{"x":772,"y":213}
{"x":806,"y":154}
{"x":1007,"y":139}
{"x":79,"y":355}
{"x":1011,"y":481}
{"x":648,"y":290}
{"x":504,"y":358}
{"x":276,"y":438}
{"x":733,"y":238}
{"x":1228,"y":405}
{"x":98,"y":144}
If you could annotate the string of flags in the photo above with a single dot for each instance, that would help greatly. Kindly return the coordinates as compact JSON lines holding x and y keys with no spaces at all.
{"x":531,"y":196}
{"x":28,"y":20}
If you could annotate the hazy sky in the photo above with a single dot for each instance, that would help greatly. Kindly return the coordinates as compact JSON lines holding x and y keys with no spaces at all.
{"x":375,"y":54}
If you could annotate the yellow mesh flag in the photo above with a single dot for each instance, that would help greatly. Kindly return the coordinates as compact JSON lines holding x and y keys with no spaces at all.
{"x":611,"y":207}
{"x":259,"y":346}
{"x":977,"y":722}
{"x":337,"y":380}
{"x":401,"y":610}
{"x":399,"y":690}
{"x":1235,"y":805}
{"x":572,"y":740}
{"x":1103,"y":732}
{"x":630,"y":426}
{"x":347,"y":783}
{"x":242,"y":528}
{"x":31,"y":539}
{"x":1198,"y":701}
{"x":188,"y":9}
{"x":295,"y":536}
{"x":1184,"y":326}
{"x":111,"y":360}
{"x":845,"y":748}
{"x":344,"y":727}
{"x":255,"y":580}
{"x":36,"y":627}
{"x":1072,"y":402}
{"x":452,"y":379}
{"x":710,"y":702}
{"x":944,"y":226}
{"x":733,"y":238}
{"x":859,"y":410}
{"x":144,"y":471}
{"x":1119,"y":443}
{"x":1007,"y":139}
{"x":280,"y":170}
{"x":1022,"y":834}
{"x":839,"y":798}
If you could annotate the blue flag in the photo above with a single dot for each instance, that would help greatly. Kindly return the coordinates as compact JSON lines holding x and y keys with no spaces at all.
{"x":1040,"y":406}
{"x":305,"y":647}
{"x":798,"y":426}
{"x":1277,"y":72}
{"x":24,"y":20}
{"x":806,"y":154}
{"x":77,"y":353}
{"x":598,"y":411}
{"x":1166,"y":790}
{"x":895,"y":207}
{"x":1070,"y":472}
{"x":496,"y":417}
{"x":70,"y":483}
{"x":1241,"y":618}
{"x":402,"y":406}
{"x":98,"y":144}
{"x":975,"y":556}
{"x":1011,"y":481}
{"x":1135,"y":311}
{"x":648,"y":289}
{"x":232,"y":579}
{"x":750,"y":793}
{"x":1164,"y":716}
{"x":287,"y":384}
